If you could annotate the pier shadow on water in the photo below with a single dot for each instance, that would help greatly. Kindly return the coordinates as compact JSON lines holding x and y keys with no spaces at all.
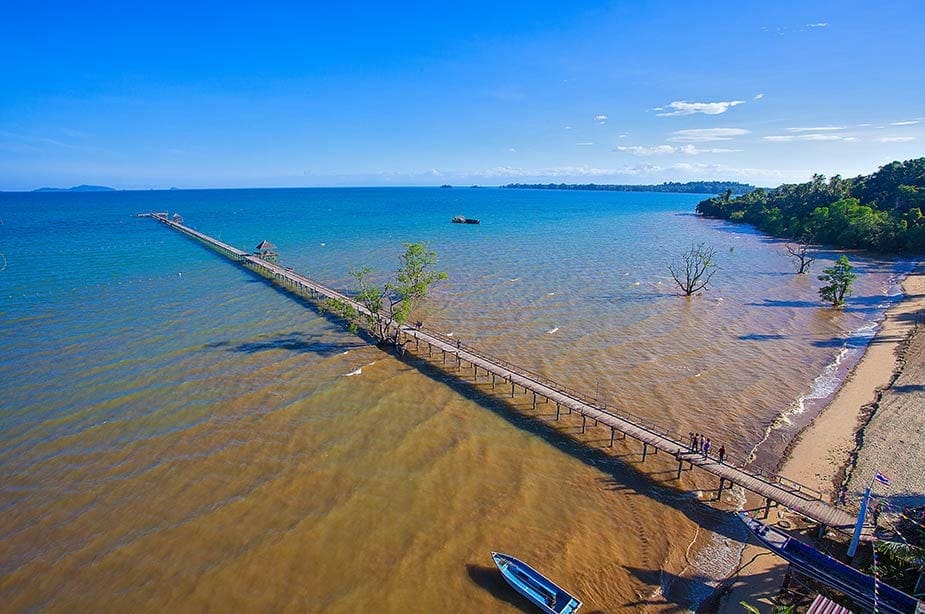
{"x":294,"y":342}
{"x":618,"y":474}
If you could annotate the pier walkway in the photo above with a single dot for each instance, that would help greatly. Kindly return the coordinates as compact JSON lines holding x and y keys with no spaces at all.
{"x":775,"y":489}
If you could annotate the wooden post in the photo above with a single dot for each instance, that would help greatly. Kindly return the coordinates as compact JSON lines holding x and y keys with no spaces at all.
{"x":645,"y":450}
{"x":444,"y":356}
{"x":680,"y":469}
{"x":557,"y":411}
{"x":767,"y":507}
{"x":512,"y":389}
{"x":719,"y":491}
{"x":611,"y":436}
{"x":492,"y":381}
{"x":534,"y":400}
{"x":583,"y":418}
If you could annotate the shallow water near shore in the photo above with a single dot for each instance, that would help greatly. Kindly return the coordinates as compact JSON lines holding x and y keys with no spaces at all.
{"x":176,"y":433}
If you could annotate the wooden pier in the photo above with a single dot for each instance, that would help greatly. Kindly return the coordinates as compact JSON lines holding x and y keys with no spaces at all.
{"x":776,"y":490}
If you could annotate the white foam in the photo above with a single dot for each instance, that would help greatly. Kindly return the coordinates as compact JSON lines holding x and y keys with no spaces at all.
{"x":552,"y":330}
{"x":352,"y":373}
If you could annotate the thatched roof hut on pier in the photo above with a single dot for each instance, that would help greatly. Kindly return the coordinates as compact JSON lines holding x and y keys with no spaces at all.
{"x":266,"y":250}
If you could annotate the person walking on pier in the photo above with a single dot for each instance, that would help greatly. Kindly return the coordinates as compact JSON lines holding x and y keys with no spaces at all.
{"x":706,"y":448}
{"x":698,"y":444}
{"x":721,"y":454}
{"x":691,"y":440}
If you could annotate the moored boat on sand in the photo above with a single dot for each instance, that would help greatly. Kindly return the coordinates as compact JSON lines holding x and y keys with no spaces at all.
{"x":866,"y":591}
{"x":540,"y":590}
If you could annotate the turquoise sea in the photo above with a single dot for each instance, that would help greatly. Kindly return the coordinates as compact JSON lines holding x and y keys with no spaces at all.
{"x":176,"y":433}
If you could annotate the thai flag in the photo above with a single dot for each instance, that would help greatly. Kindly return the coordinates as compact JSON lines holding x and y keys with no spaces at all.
{"x":882,"y":479}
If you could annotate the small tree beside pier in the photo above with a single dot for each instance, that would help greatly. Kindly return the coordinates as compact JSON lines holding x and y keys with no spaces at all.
{"x":389,"y":306}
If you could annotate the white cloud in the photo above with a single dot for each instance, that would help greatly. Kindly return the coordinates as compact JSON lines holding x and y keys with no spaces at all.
{"x":658,"y":150}
{"x":816,"y":129}
{"x":896,"y":139}
{"x":682,"y":107}
{"x":703,"y":135}
{"x":821,"y":24}
{"x":566,"y":127}
{"x":512,"y":149}
{"x":600,"y":118}
{"x":758,"y":97}
{"x":786,"y":138}
{"x":910,"y":122}
{"x":584,"y":144}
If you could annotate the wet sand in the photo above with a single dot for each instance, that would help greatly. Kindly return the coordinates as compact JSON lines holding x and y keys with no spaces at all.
{"x":874,"y":423}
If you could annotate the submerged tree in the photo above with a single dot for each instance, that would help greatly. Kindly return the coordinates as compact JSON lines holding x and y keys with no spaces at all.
{"x":695,"y":268}
{"x":802,"y":254}
{"x":385,"y":308}
{"x":838,"y":278}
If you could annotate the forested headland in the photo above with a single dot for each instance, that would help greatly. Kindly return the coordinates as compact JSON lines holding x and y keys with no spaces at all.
{"x":881,"y":211}
{"x":690,"y":187}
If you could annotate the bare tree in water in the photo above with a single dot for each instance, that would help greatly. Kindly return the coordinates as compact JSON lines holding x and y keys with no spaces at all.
{"x":802,"y":254}
{"x":693,"y":271}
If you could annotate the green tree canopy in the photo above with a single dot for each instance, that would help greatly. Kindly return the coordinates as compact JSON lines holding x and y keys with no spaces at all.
{"x":881,"y":211}
{"x":838,"y":279}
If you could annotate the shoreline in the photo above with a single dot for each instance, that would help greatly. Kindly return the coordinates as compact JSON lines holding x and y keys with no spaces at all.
{"x":825,"y":454}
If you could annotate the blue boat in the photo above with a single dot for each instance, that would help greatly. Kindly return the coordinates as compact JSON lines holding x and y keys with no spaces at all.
{"x":533,"y":585}
{"x":866,"y":591}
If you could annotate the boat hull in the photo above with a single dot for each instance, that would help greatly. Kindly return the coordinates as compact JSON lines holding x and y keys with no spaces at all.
{"x":537,"y":588}
{"x":866,"y":591}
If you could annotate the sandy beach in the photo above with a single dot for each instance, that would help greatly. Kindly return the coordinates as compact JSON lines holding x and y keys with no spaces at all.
{"x":874,"y":423}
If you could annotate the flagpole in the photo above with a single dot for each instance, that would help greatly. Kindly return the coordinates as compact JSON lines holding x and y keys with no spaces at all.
{"x":858,"y":527}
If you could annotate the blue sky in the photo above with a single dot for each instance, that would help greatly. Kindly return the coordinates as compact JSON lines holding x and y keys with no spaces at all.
{"x":327,"y":94}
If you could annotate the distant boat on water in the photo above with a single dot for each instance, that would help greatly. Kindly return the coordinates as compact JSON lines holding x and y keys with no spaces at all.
{"x":866,"y":591}
{"x":459,"y":219}
{"x":533,"y":585}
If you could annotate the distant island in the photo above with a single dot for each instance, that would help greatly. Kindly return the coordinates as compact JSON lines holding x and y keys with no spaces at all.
{"x":691,"y":187}
{"x":78,"y":188}
{"x":882,"y":211}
